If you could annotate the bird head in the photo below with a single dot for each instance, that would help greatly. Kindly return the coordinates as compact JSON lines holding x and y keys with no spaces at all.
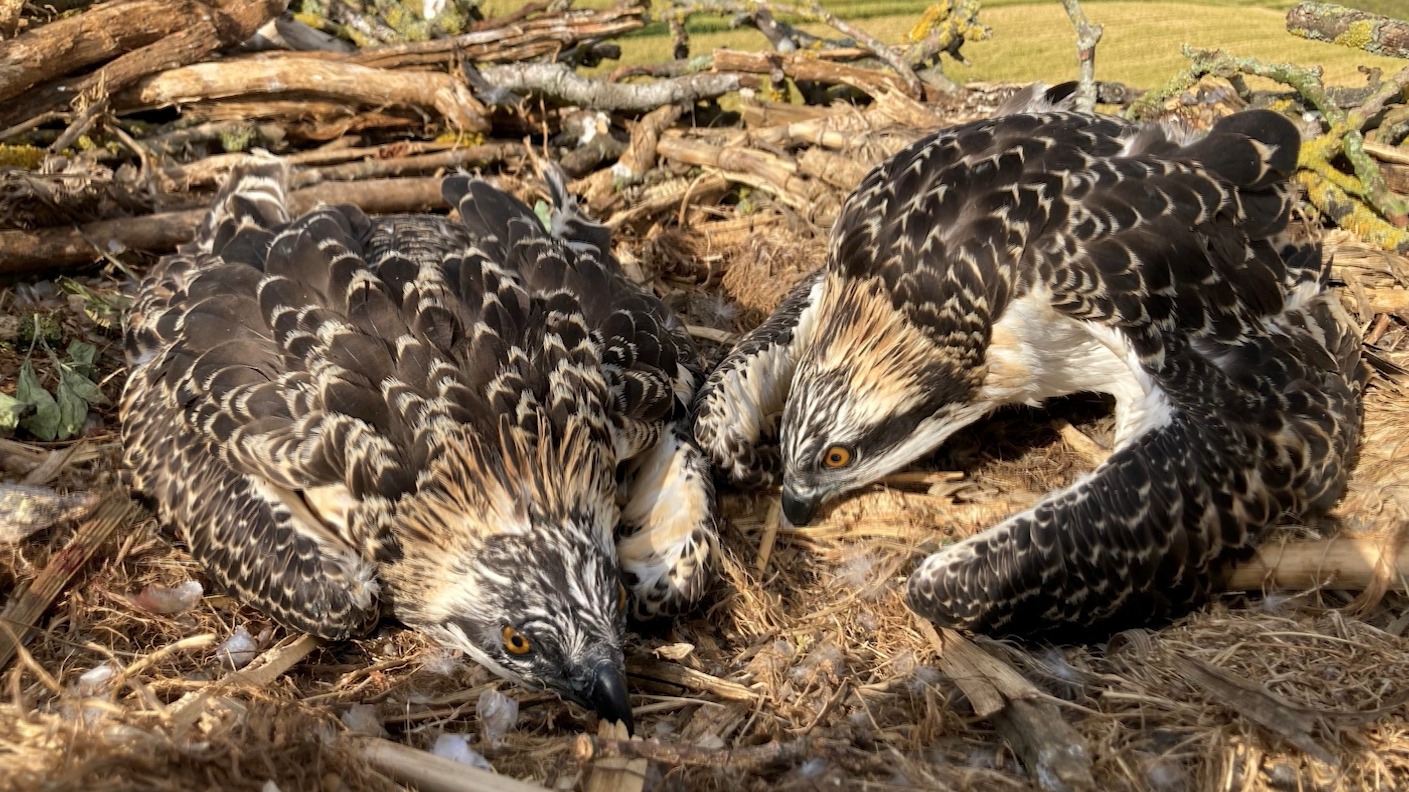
{"x":870,"y":395}
{"x":507,"y":555}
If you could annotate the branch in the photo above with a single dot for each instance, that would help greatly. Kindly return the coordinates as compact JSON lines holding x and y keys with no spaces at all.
{"x":1087,"y":36}
{"x":1351,"y":28}
{"x":813,"y":12}
{"x":429,"y":90}
{"x":560,"y":82}
{"x":202,"y":31}
{"x":44,"y":251}
{"x":111,"y":29}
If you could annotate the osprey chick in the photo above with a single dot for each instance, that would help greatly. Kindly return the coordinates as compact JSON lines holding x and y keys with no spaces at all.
{"x":1040,"y":254}
{"x":338,"y":411}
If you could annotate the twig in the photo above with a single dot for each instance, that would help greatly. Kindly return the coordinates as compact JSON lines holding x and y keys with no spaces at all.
{"x":28,"y":603}
{"x":1087,"y":36}
{"x":649,"y":669}
{"x":432,"y":773}
{"x":587,"y":748}
{"x":267,"y":668}
{"x":558,"y":81}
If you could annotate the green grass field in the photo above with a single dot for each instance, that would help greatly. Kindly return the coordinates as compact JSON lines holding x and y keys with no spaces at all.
{"x":1033,"y":40}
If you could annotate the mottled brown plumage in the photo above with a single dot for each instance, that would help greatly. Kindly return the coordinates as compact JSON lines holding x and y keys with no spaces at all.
{"x":338,"y":412}
{"x":1042,"y":253}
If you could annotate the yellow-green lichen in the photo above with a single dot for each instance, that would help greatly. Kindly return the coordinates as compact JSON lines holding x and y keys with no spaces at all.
{"x":460,"y":139}
{"x":1351,"y":214}
{"x":1358,"y":34}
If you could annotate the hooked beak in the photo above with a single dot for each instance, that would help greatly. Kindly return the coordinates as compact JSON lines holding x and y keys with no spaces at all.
{"x":799,"y":509}
{"x":606,"y":693}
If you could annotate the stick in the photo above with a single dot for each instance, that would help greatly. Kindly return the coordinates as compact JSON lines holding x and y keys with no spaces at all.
{"x":1054,"y":753}
{"x":675,"y":674}
{"x":1351,"y":28}
{"x":209,"y":28}
{"x":270,"y":666}
{"x":46,"y":250}
{"x":431,"y":773}
{"x":28,"y":603}
{"x":1350,"y":563}
{"x":1087,"y":36}
{"x":350,"y":82}
{"x":105,"y":31}
{"x":558,"y":81}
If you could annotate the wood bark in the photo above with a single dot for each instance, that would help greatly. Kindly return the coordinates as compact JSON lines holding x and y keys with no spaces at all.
{"x":1349,"y":27}
{"x":806,"y":68}
{"x":48,"y":250}
{"x":558,"y":81}
{"x":433,"y":91}
{"x":117,"y":28}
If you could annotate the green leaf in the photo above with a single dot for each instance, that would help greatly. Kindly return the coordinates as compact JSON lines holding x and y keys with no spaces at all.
{"x":10,"y":411}
{"x":73,"y":409}
{"x":44,"y":422}
{"x":545,"y":214}
{"x":80,"y":386}
{"x":83,"y":357}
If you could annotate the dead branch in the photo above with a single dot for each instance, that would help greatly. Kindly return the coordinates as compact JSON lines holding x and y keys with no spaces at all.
{"x":805,"y":67}
{"x":638,"y":159}
{"x":1054,"y":753}
{"x":507,"y":41}
{"x":1350,"y":27}
{"x":112,"y":29}
{"x":559,"y":82}
{"x":436,"y":91}
{"x":1087,"y":36}
{"x":49,"y":249}
{"x":1350,"y":563}
{"x":811,"y":12}
{"x":205,"y":28}
{"x":759,"y":169}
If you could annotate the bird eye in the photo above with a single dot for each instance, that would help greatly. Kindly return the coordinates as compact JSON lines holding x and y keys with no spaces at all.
{"x":837,"y":457}
{"x":515,"y":641}
{"x":620,"y":598}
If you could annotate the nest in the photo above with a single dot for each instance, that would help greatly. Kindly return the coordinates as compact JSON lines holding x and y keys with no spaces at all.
{"x":803,"y":669}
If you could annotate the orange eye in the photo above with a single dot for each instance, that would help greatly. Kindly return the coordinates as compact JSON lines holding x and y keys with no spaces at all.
{"x":516,"y":641}
{"x":620,"y":598}
{"x":836,"y":457}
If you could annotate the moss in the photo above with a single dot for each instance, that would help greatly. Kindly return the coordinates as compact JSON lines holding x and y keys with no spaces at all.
{"x":20,"y":156}
{"x":39,"y":329}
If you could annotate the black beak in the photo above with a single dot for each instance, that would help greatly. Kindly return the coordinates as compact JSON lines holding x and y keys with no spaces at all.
{"x":607,"y":694}
{"x":799,"y":511}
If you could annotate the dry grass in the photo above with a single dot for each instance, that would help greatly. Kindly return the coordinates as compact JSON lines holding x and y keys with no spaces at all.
{"x":804,"y":662}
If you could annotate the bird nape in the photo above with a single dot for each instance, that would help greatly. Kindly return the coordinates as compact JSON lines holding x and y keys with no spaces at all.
{"x":1041,"y":253}
{"x":338,"y":413}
